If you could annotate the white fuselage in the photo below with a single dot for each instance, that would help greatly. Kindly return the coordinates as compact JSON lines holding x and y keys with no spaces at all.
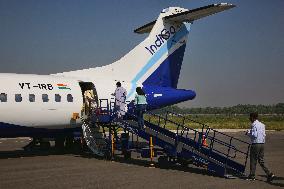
{"x":42,"y":113}
{"x":38,"y":113}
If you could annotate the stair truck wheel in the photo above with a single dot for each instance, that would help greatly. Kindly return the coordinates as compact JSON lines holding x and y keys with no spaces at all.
{"x":184,"y":162}
{"x":107,"y":155}
{"x":125,"y":145}
{"x":127,"y":154}
{"x":163,"y":162}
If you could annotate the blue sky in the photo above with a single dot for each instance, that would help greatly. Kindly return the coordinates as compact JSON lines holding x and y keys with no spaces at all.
{"x":234,"y":57}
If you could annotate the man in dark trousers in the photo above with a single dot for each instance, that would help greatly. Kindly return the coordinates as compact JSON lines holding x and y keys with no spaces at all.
{"x":257,"y":136}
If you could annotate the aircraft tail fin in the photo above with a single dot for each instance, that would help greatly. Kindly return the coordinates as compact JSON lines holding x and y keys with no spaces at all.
{"x":157,"y":60}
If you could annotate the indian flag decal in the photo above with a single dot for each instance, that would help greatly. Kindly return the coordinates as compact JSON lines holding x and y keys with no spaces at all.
{"x":63,"y":86}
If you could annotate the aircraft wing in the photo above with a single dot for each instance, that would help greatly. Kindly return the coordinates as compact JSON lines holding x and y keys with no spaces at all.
{"x":188,"y":16}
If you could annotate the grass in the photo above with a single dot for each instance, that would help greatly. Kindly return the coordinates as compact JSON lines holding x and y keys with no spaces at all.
{"x":272,"y":122}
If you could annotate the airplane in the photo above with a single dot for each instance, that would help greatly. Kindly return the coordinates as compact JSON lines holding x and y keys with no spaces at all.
{"x":43,"y":106}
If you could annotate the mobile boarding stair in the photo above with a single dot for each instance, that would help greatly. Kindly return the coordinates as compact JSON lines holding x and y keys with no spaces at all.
{"x":216,"y":151}
{"x":93,"y":129}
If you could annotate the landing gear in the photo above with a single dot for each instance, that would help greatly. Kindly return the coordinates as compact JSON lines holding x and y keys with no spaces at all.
{"x":44,"y":145}
{"x":31,"y":145}
{"x":68,"y":143}
{"x":59,"y":143}
{"x":37,"y":144}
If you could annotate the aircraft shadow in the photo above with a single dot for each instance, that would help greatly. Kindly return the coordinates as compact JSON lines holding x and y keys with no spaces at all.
{"x":120,"y":159}
{"x":86,"y":154}
{"x":34,"y":153}
{"x":146,"y":163}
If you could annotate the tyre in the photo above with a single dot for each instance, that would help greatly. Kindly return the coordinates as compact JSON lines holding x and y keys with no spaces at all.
{"x":127,"y":155}
{"x":163,"y":162}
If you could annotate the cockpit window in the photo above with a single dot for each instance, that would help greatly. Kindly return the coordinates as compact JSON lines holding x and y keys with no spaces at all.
{"x":69,"y":98}
{"x":45,"y":98}
{"x":18,"y":98}
{"x":31,"y":97}
{"x":57,"y":98}
{"x":3,"y":97}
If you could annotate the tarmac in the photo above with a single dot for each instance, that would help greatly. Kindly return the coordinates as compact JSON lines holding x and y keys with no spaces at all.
{"x":50,"y":169}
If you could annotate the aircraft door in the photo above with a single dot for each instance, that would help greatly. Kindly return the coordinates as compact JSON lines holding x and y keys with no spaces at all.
{"x":90,"y":98}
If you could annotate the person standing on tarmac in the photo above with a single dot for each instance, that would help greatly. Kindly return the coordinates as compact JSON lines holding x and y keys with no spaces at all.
{"x":120,"y":97}
{"x":140,"y":103}
{"x":257,"y":136}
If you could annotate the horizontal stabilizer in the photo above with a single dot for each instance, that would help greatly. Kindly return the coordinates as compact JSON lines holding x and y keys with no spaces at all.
{"x":195,"y":14}
{"x":188,"y":16}
{"x":146,"y":28}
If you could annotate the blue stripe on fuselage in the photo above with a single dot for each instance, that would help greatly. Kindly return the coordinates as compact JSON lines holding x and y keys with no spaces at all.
{"x":8,"y":130}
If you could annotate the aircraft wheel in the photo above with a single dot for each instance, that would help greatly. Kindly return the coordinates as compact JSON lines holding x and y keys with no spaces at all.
{"x":184,"y":162}
{"x":29,"y":147}
{"x":69,"y":142}
{"x":44,"y":145}
{"x":59,"y":143}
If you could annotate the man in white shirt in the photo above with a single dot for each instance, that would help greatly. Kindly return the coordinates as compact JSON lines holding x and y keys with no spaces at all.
{"x":120,"y":97}
{"x":257,"y":136}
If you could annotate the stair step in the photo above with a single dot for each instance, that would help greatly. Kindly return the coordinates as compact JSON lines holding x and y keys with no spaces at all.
{"x":94,"y":139}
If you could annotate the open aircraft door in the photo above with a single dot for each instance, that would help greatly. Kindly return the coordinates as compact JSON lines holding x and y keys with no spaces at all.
{"x":90,"y":97}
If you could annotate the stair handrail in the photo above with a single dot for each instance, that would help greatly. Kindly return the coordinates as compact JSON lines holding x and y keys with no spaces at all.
{"x":208,"y":128}
{"x":228,"y":145}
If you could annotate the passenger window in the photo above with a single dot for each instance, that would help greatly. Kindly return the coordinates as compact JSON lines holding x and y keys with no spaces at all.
{"x":57,"y":98}
{"x":45,"y":98}
{"x":31,"y":97}
{"x":69,"y":98}
{"x":3,"y":97}
{"x":18,"y":98}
